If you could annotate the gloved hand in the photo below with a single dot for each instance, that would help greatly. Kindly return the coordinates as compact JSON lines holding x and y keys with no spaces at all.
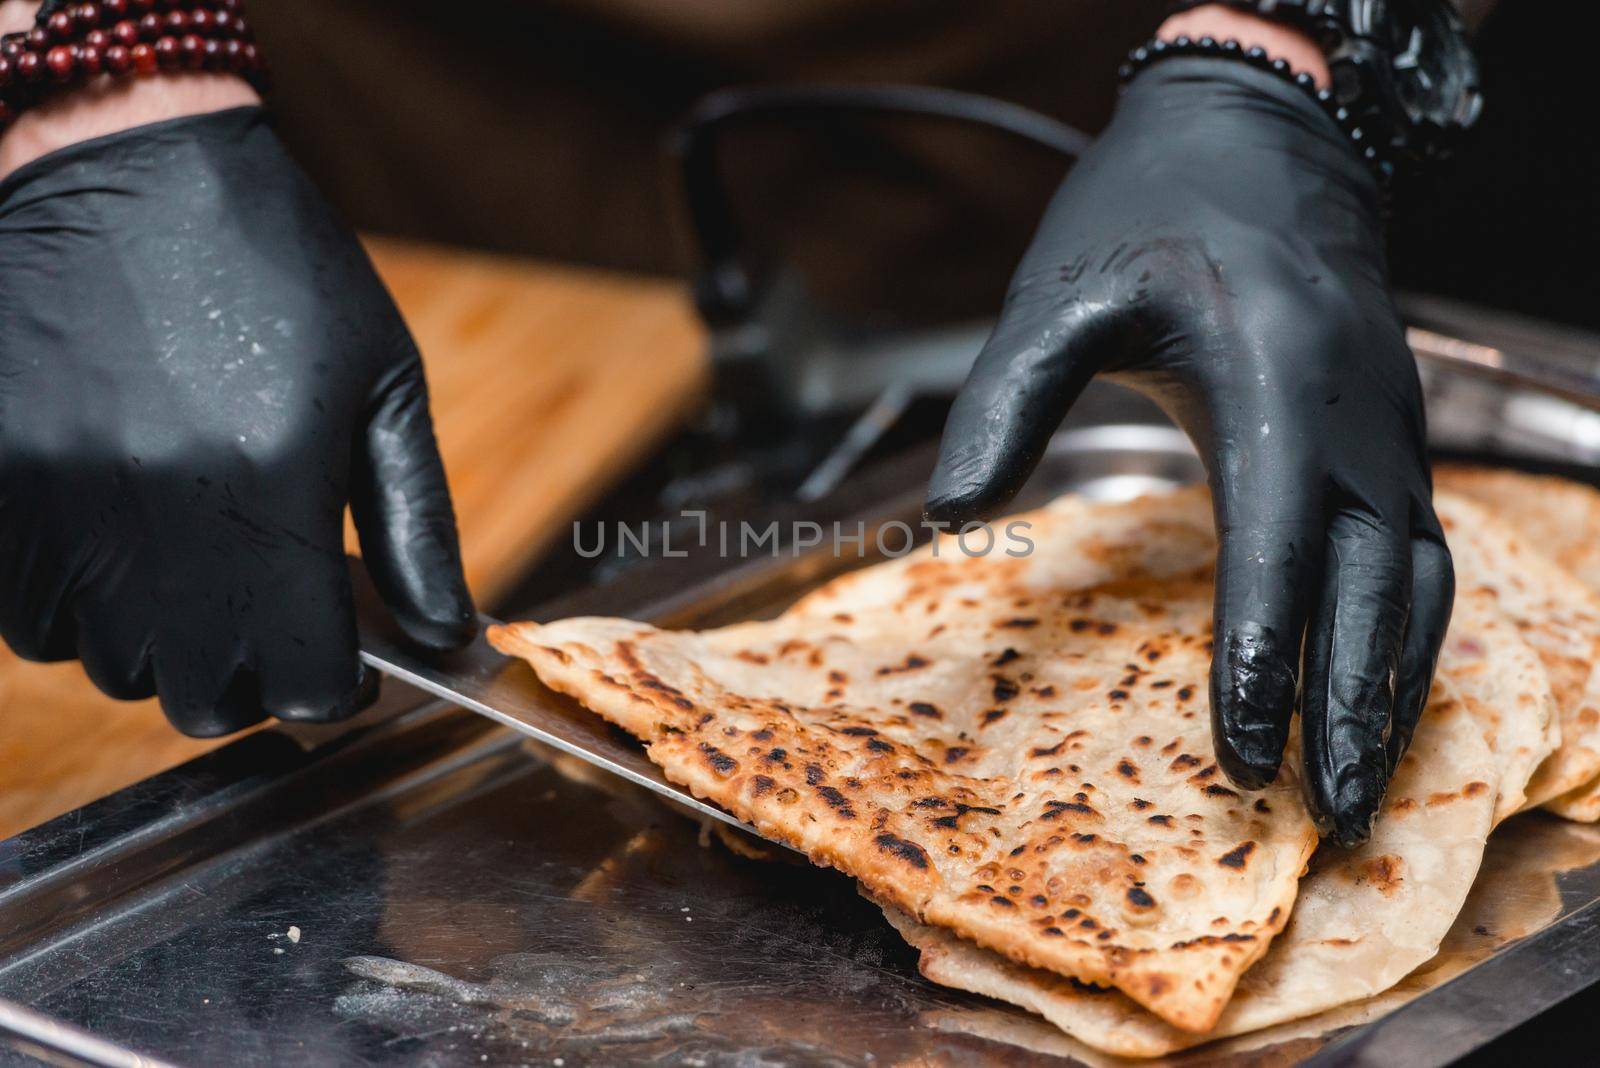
{"x":198,"y":370}
{"x":1220,"y":249}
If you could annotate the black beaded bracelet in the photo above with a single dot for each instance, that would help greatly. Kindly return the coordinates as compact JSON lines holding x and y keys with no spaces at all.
{"x":1157,"y":49}
{"x":1404,"y":68}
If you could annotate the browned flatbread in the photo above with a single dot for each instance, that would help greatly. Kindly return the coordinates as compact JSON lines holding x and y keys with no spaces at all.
{"x":1014,"y":749}
{"x":1500,"y":681}
{"x":1364,"y":918}
{"x":1015,"y":754}
{"x":1555,"y":614}
{"x":1560,"y":519}
{"x":1557,"y":515}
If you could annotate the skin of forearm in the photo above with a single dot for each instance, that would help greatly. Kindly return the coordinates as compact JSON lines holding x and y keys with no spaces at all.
{"x":1279,"y":41}
{"x":108,"y":105}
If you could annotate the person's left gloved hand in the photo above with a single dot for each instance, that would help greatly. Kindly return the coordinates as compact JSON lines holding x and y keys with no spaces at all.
{"x":199,"y":370}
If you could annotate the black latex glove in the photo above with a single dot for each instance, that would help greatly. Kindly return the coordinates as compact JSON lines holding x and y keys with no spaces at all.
{"x":198,"y":370}
{"x":1220,"y":248}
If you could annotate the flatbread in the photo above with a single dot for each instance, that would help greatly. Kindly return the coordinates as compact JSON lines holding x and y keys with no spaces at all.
{"x":869,"y":685}
{"x":1362,"y":922}
{"x":1078,"y":544}
{"x":1517,"y":892}
{"x":994,"y":745}
{"x":1365,"y":918}
{"x":1561,"y":518}
{"x":1501,"y":681}
{"x":1170,"y":534}
{"x":1559,"y":619}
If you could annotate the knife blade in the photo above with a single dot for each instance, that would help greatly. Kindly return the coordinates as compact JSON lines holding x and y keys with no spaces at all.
{"x":482,"y":680}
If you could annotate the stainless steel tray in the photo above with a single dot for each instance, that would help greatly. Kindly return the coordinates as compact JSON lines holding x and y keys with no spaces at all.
{"x":424,"y":887}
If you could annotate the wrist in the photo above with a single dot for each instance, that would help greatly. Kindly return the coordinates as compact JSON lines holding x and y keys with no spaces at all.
{"x":17,"y":16}
{"x":1276,"y":39}
{"x":109,"y":107}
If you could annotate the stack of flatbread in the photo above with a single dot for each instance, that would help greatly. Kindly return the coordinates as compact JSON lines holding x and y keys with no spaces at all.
{"x":1013,"y":757}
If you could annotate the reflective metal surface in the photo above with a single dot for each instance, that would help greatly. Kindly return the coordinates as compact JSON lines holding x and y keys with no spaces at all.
{"x":46,"y":1039}
{"x":1502,"y":347}
{"x":1497,"y":383}
{"x":482,"y":680}
{"x":429,"y":888}
{"x":485,"y":901}
{"x":1528,"y":938}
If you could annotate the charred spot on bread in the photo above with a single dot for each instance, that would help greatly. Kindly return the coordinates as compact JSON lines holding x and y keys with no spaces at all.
{"x":1238,"y":856}
{"x":720,"y":762}
{"x":905,"y":850}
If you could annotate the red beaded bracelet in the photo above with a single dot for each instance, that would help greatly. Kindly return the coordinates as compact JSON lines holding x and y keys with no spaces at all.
{"x":78,"y":42}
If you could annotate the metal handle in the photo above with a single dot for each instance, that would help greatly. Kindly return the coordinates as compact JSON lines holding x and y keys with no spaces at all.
{"x":1504,"y":347}
{"x":723,"y":285}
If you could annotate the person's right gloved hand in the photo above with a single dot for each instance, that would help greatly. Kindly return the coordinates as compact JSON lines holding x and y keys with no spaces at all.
{"x":1220,"y":248}
{"x":199,"y":369}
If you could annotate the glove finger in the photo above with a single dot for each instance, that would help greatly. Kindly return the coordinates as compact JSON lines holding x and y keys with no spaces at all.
{"x":1028,"y":375}
{"x":401,"y":504}
{"x":305,"y":648}
{"x":44,"y":635}
{"x":206,"y":684}
{"x":36,"y":619}
{"x":1353,"y":655}
{"x":1269,"y":556}
{"x":1433,"y":592}
{"x":116,"y":654}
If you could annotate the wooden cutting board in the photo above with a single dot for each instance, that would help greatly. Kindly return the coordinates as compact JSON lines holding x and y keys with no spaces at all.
{"x":548,"y":382}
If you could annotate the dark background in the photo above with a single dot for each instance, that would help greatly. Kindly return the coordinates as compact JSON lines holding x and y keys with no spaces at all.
{"x":536,"y":127}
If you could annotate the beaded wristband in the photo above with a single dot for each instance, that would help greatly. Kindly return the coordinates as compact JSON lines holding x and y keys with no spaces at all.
{"x":1157,"y":49}
{"x":77,"y":42}
{"x":1403,"y":67}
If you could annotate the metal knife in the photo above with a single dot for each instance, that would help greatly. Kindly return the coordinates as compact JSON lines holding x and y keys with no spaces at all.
{"x":506,"y":690}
